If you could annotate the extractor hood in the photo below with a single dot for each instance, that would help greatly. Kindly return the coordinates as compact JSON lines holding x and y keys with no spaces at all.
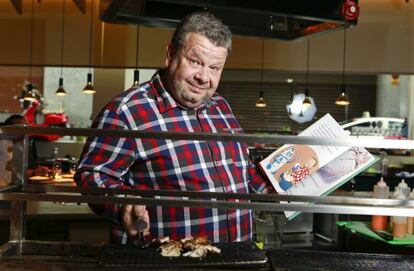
{"x":279,"y":19}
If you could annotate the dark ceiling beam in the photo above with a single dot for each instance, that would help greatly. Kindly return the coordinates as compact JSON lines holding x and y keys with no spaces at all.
{"x":18,"y":5}
{"x":81,"y":5}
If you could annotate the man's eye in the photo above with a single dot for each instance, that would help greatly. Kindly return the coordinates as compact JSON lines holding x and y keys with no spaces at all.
{"x":194,"y":61}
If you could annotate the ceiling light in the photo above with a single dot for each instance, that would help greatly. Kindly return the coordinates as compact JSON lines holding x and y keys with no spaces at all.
{"x":136,"y":77}
{"x":261,"y":101}
{"x":136,"y":71}
{"x":60,"y":91}
{"x":30,"y":95}
{"x":343,"y":97}
{"x":306,"y":100}
{"x":89,"y":88}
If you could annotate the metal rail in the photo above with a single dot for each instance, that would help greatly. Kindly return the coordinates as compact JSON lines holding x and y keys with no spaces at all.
{"x":247,"y":138}
{"x":275,"y":198}
{"x":20,"y":193}
{"x":274,"y":203}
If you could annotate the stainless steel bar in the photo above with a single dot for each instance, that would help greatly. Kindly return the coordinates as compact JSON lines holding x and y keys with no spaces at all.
{"x":247,"y":138}
{"x":9,"y":188}
{"x":9,"y":248}
{"x":19,"y":175}
{"x":9,"y":136}
{"x":397,"y":210}
{"x":31,"y":188}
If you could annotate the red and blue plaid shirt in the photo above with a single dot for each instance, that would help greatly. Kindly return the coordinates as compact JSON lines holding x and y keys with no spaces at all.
{"x":185,"y":165}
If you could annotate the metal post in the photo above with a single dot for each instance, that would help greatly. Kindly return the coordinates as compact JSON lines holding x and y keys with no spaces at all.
{"x":19,"y":176}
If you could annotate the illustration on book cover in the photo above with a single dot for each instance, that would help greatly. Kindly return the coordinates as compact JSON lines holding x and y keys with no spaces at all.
{"x":292,"y":164}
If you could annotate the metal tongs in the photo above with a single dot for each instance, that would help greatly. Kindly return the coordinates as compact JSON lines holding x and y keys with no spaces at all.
{"x":139,"y":240}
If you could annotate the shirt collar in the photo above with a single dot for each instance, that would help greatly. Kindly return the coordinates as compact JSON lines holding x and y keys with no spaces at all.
{"x":165,"y":100}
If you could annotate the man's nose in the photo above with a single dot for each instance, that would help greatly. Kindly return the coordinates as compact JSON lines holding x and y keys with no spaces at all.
{"x":202,"y":75}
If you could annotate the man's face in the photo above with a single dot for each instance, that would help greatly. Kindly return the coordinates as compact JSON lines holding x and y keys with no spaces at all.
{"x":193,"y":72}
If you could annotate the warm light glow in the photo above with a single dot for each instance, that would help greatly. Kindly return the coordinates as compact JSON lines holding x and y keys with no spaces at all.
{"x":342,"y":99}
{"x":30,"y":96}
{"x":89,"y":88}
{"x":395,"y":79}
{"x":60,"y":91}
{"x":306,"y":101}
{"x":261,"y":102}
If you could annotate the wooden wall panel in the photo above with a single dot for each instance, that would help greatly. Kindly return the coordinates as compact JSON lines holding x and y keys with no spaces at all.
{"x":242,"y":97}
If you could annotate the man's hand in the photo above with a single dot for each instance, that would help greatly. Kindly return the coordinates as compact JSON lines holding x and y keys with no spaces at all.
{"x":130,"y":215}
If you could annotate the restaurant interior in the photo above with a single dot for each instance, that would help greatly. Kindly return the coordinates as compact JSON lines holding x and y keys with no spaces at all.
{"x":73,"y":56}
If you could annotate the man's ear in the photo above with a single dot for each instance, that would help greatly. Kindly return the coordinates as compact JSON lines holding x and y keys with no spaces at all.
{"x":169,"y":51}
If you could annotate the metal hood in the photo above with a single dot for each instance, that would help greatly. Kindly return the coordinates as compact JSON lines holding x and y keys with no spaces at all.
{"x":279,"y":19}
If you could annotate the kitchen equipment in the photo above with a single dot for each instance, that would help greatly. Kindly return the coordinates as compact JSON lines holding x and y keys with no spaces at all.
{"x":286,"y":20}
{"x":242,"y":254}
{"x":305,"y":260}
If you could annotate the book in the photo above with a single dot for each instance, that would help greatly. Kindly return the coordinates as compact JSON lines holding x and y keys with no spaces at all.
{"x":314,"y":170}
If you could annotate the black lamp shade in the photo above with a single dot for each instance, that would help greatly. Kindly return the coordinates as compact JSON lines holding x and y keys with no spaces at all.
{"x":89,"y":88}
{"x":60,"y":91}
{"x":136,"y":77}
{"x":261,"y":101}
{"x":343,"y":97}
{"x":307,"y":101}
{"x":29,"y":96}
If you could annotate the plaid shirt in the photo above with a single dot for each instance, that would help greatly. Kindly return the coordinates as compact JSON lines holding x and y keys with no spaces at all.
{"x":185,"y":165}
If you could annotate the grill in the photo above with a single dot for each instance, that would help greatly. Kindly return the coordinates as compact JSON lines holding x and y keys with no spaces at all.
{"x":303,"y":260}
{"x":241,"y":254}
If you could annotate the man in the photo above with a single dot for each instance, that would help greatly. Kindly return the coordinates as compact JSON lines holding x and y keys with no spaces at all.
{"x":181,"y":98}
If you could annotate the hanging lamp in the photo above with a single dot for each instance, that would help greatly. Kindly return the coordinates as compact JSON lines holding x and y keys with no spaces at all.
{"x":61,"y":91}
{"x":343,"y":96}
{"x":29,"y":94}
{"x":89,"y":88}
{"x":261,"y":101}
{"x":290,"y":81}
{"x":307,"y":101}
{"x":136,"y":71}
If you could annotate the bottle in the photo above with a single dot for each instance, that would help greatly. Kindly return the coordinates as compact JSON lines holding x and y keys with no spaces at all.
{"x":402,"y":188}
{"x":399,"y":223}
{"x":381,"y":191}
{"x":55,"y":153}
{"x":57,"y":164}
{"x":410,"y":220}
{"x":384,"y":164}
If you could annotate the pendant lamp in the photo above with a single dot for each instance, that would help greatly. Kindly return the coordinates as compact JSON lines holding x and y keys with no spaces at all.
{"x":343,"y":97}
{"x":306,"y":101}
{"x":61,"y":91}
{"x":261,"y":101}
{"x":89,"y":88}
{"x":290,"y":81}
{"x":136,"y":71}
{"x":29,"y":94}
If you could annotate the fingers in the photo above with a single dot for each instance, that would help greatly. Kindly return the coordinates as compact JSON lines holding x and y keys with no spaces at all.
{"x":130,"y":214}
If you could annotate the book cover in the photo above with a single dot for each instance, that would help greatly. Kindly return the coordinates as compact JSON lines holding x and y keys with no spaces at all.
{"x":315,"y":170}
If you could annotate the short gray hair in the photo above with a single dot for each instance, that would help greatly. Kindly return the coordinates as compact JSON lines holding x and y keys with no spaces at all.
{"x":206,"y":24}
